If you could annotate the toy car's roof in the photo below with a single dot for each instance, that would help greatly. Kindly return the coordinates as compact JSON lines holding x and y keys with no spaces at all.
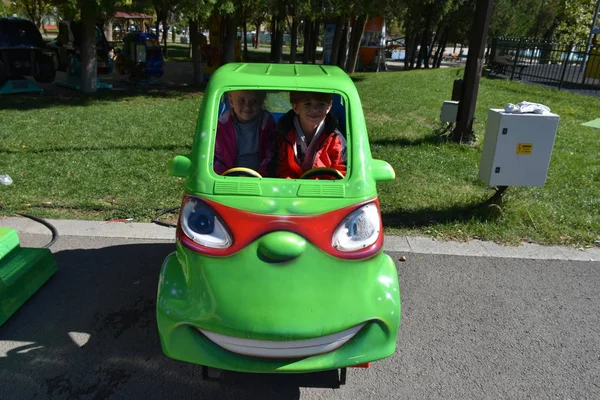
{"x":283,"y":76}
{"x":15,"y":19}
{"x":139,"y":37}
{"x":19,"y":33}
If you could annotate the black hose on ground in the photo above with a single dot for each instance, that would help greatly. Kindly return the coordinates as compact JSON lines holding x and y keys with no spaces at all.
{"x":41,"y":221}
{"x":163,"y":212}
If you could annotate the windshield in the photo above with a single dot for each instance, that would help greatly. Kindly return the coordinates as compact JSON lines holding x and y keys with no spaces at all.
{"x":17,"y":33}
{"x":281,"y":134}
{"x":152,"y":42}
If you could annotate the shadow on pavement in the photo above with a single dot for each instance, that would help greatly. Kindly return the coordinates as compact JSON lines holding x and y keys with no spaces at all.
{"x":90,"y":332}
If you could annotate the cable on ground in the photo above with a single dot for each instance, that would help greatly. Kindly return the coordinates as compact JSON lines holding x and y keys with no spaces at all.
{"x":39,"y":220}
{"x":163,"y":212}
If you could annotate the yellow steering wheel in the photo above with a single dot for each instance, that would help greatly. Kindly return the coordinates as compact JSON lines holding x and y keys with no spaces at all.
{"x":242,"y":171}
{"x":316,"y":172}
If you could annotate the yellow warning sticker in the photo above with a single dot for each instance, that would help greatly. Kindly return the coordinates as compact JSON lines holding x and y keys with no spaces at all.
{"x":524,"y":148}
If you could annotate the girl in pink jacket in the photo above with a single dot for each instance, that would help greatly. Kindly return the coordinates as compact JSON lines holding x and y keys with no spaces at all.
{"x":245,"y":133}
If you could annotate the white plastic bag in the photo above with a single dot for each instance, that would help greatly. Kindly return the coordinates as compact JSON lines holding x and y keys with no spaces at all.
{"x":5,"y":180}
{"x":526,"y":107}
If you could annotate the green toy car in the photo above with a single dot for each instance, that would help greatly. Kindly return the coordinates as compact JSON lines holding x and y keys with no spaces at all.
{"x":275,"y":275}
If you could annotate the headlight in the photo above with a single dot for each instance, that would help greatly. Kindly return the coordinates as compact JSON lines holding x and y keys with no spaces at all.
{"x":358,"y":230}
{"x":201,"y":224}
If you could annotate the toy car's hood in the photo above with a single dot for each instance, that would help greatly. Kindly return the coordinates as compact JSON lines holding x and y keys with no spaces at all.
{"x":249,"y":297}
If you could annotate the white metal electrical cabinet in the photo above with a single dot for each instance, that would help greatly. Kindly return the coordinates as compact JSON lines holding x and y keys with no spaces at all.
{"x":449,"y":111}
{"x":517,"y":148}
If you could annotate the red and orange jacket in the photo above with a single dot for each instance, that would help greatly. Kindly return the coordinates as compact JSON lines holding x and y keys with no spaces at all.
{"x":226,"y":149}
{"x":330,"y":153}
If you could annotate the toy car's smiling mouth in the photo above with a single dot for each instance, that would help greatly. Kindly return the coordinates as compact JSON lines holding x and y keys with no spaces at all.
{"x":283,"y":349}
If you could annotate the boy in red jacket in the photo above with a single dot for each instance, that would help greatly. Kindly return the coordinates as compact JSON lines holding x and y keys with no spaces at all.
{"x":307,"y":137}
{"x":245,"y":133}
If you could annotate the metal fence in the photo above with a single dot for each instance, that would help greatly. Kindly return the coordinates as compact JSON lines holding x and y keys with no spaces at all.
{"x":565,"y":66}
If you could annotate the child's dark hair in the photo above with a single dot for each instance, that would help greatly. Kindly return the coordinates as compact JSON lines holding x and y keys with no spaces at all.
{"x":297,"y":97}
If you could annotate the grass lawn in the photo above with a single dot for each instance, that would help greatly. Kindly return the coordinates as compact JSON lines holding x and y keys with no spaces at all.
{"x":105,"y":157}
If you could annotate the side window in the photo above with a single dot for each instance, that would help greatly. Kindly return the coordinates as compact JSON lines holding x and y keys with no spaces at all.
{"x":281,"y":134}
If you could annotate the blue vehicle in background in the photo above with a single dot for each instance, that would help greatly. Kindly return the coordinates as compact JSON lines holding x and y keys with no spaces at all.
{"x":23,"y":53}
{"x":141,"y":56}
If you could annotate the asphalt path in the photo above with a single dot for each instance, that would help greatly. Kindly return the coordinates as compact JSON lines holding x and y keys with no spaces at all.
{"x":472,"y":328}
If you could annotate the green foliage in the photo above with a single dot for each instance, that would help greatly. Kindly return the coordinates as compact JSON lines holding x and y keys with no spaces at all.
{"x":226,"y":6}
{"x":566,"y":21}
{"x":515,"y":18}
{"x":4,"y":9}
{"x":34,"y":10}
{"x":576,"y":20}
{"x":195,"y":10}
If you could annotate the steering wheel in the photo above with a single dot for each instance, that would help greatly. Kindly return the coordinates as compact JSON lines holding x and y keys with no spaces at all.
{"x":242,"y":171}
{"x":322,"y":171}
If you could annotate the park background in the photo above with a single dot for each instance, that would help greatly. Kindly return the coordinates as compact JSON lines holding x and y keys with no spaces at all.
{"x":104,"y":155}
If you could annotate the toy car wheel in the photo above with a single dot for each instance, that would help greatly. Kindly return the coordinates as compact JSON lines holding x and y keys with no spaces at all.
{"x":342,"y":380}
{"x":45,"y":70}
{"x":56,"y":59}
{"x":119,"y":62}
{"x":211,"y":374}
{"x":138,"y":70}
{"x":74,"y":67}
{"x":63,"y":66}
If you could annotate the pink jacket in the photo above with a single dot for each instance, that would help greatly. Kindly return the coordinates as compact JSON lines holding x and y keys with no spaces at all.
{"x":226,"y":142}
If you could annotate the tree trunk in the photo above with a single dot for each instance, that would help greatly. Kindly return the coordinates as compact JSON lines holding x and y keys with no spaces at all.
{"x":432,"y":45}
{"x":245,"y":33}
{"x":257,"y":41}
{"x":408,"y":46}
{"x":230,"y":38}
{"x":273,"y":37}
{"x":88,"y":48}
{"x":307,"y":39}
{"x":337,"y":38}
{"x":441,"y":48}
{"x":278,"y":54}
{"x":196,"y":52}
{"x":358,"y":28}
{"x":463,"y":131}
{"x":311,"y":49}
{"x":315,"y":40}
{"x":165,"y":36}
{"x":294,"y":38}
{"x":414,"y":50}
{"x":108,"y":30}
{"x":343,"y":52}
{"x":422,"y":52}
